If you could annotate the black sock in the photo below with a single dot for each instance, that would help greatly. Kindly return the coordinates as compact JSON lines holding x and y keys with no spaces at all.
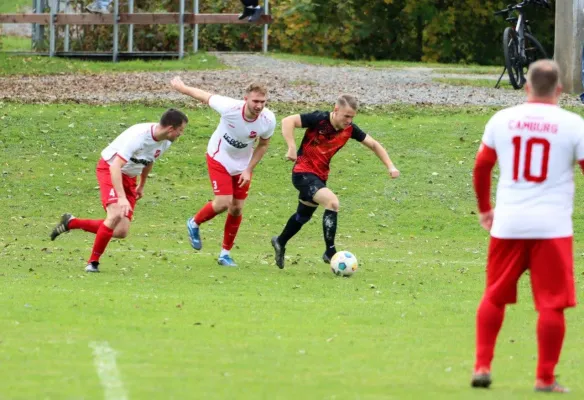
{"x":329,"y":228}
{"x":292,"y":227}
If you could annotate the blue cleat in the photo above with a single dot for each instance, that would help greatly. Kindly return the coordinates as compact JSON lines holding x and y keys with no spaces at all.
{"x":194,"y":235}
{"x":226,"y":261}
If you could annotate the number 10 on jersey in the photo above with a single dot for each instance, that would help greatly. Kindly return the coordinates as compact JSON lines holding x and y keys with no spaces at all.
{"x":527,"y":147}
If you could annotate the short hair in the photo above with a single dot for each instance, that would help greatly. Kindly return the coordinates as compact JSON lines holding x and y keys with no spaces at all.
{"x":256,"y":87}
{"x":543,"y":77}
{"x":347,"y":100}
{"x":174,"y":118}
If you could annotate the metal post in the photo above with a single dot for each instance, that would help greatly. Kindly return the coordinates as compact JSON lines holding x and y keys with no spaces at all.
{"x":37,"y":35}
{"x":116,"y":30}
{"x":569,"y":39}
{"x":67,"y":30}
{"x":52,"y":34}
{"x":196,"y":30}
{"x":265,"y":39}
{"x":131,"y":27}
{"x":181,"y":44}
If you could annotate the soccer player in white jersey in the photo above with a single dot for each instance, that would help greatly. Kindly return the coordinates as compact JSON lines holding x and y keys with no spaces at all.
{"x":536,"y":145}
{"x":130,"y":155}
{"x":231,"y":158}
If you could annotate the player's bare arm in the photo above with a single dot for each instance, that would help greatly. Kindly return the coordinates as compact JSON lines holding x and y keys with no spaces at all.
{"x":143,"y":177}
{"x":290,"y":123}
{"x":195,"y":93}
{"x":116,"y":176}
{"x":258,"y":154}
{"x":381,"y":153}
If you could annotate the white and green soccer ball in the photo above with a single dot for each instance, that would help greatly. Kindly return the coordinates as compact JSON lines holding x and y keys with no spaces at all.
{"x":344,"y":263}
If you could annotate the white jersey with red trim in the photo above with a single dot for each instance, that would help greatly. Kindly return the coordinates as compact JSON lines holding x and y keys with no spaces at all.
{"x":137,"y":146}
{"x":537,"y":146}
{"x":232,"y":142}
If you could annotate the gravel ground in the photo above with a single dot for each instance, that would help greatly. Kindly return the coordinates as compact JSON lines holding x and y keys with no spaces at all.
{"x":288,"y":82}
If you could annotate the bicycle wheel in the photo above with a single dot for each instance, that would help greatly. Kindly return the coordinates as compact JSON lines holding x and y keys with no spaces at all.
{"x":512,"y":58}
{"x":533,"y":51}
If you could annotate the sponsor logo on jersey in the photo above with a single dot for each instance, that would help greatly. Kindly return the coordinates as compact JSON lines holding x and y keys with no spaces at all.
{"x":231,"y":126}
{"x":253,"y":134}
{"x":235,"y":143}
{"x":157,"y":153}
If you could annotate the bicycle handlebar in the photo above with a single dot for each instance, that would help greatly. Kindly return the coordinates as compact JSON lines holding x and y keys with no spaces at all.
{"x":512,"y":7}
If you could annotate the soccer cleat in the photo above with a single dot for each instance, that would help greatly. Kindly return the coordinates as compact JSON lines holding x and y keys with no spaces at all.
{"x":326,"y":258}
{"x":62,"y":226}
{"x":93,"y":266}
{"x":247,"y":12}
{"x":226,"y":261}
{"x":194,"y":234}
{"x":280,"y":251}
{"x":481,"y":378}
{"x":553,"y":388}
{"x":257,"y":13}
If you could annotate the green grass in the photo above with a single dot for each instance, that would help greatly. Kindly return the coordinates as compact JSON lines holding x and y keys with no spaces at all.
{"x":470,"y":69}
{"x":15,"y":43}
{"x":328,"y":61}
{"x":488,"y":83}
{"x":183,"y":327}
{"x":40,"y":65}
{"x":13,"y":6}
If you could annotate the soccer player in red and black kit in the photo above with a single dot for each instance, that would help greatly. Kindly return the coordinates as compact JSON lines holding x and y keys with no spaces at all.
{"x":326,"y":133}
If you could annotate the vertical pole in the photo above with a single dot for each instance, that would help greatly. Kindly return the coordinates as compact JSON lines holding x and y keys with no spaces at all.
{"x":196,"y":30}
{"x":52,"y":35}
{"x":181,"y":44}
{"x":131,"y":27}
{"x":67,"y":30}
{"x":116,"y":30}
{"x":265,"y":39}
{"x":569,"y":40}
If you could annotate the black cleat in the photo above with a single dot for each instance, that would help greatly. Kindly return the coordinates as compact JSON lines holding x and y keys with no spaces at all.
{"x":553,"y":388}
{"x":92,"y":267}
{"x":247,"y":12}
{"x":256,"y":14}
{"x":280,"y":251}
{"x":62,"y":226}
{"x":481,"y":379}
{"x":326,"y":258}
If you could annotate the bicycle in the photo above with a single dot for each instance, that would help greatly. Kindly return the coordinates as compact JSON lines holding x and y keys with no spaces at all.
{"x":520,"y":47}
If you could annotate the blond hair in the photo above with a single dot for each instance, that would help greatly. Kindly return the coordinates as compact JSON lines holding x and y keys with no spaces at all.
{"x":543,"y":77}
{"x":347,"y":100}
{"x":256,"y":87}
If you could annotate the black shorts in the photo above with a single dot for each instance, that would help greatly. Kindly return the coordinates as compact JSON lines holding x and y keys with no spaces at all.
{"x":307,"y":185}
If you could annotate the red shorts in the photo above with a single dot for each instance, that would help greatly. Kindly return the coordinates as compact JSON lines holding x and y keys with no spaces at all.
{"x":223,"y":183}
{"x":551,"y":266}
{"x":108,"y":193}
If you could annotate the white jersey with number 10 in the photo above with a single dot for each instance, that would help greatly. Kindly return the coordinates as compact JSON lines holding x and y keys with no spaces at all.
{"x":537,"y":146}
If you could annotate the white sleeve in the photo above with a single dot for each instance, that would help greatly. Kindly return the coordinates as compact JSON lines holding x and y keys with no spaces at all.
{"x":489,"y":134}
{"x":128,"y":145}
{"x":271,"y":127}
{"x":580,"y":141}
{"x":222,"y":104}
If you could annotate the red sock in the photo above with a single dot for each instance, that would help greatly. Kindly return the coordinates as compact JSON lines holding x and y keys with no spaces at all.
{"x":104,"y":235}
{"x":88,"y":225}
{"x":551,"y":327}
{"x":205,"y":214}
{"x":489,"y":321}
{"x":231,"y":227}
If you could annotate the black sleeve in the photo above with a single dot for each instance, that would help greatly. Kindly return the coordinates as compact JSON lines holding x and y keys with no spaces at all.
{"x":358,"y":134}
{"x":310,"y":120}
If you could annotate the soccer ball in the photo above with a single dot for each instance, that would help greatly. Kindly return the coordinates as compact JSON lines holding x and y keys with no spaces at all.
{"x":344,"y":263}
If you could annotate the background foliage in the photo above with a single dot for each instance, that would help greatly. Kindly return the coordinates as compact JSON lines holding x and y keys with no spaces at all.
{"x":449,"y":31}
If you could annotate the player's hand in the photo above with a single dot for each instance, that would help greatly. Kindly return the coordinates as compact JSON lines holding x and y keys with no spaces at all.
{"x":393,"y":172}
{"x":486,"y":219}
{"x":139,"y":192}
{"x":244,"y":178}
{"x":177,"y":84}
{"x":291,"y":154}
{"x":124,"y":206}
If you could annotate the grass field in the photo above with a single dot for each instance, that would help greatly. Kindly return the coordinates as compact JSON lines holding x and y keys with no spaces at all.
{"x":12,"y":6}
{"x":487,"y":83}
{"x":182,"y":327}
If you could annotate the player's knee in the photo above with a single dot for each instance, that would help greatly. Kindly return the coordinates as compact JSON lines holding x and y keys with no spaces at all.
{"x":236,"y":211}
{"x":222,"y":205}
{"x":121,"y":233}
{"x":304,"y":213}
{"x":333,"y":205}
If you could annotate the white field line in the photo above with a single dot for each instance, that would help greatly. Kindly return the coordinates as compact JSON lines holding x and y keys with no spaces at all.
{"x":107,"y":369}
